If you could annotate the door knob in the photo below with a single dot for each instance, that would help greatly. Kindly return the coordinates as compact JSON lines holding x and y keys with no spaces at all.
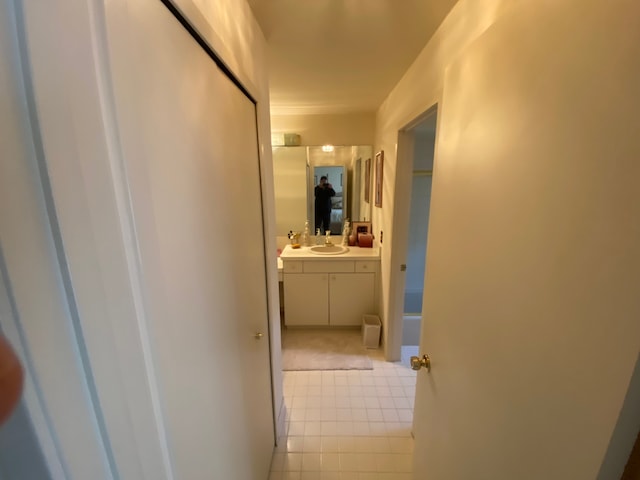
{"x":417,"y":363}
{"x":258,"y":335}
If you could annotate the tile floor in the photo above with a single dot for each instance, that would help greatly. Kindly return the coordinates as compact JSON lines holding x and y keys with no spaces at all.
{"x":348,"y":424}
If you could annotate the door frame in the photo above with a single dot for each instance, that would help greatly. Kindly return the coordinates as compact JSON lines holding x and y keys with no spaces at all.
{"x":400,"y":229}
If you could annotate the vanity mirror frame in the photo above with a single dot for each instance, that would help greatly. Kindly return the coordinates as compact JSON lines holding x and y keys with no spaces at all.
{"x":367,"y":180}
{"x":379,"y":170}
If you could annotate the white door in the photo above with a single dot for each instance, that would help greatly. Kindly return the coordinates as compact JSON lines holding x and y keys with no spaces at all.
{"x":190,"y":144}
{"x":532,"y":309}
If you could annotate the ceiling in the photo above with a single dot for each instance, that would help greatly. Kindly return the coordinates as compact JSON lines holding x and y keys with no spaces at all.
{"x":342,"y":56}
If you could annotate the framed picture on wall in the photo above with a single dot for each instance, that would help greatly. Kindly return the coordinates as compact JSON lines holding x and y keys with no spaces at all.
{"x":379,"y":167}
{"x":367,"y":180}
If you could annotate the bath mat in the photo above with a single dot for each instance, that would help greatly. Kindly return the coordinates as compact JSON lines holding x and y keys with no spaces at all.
{"x":324,"y":349}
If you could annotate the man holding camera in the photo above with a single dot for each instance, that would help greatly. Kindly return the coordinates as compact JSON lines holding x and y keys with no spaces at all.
{"x":323,"y":193}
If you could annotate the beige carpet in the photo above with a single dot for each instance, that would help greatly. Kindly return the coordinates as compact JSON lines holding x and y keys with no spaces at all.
{"x":324,"y":349}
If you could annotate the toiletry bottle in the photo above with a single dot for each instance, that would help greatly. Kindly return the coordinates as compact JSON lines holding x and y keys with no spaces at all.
{"x":306,"y":235}
{"x":345,"y":233}
{"x":318,"y":237}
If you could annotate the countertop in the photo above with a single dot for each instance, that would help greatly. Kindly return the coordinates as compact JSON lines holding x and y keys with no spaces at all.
{"x":303,"y":253}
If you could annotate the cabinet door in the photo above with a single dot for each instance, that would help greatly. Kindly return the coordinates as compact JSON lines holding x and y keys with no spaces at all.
{"x":306,"y":299}
{"x":351,"y":296}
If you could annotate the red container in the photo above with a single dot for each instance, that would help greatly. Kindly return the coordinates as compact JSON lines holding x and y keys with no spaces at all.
{"x":365,"y":240}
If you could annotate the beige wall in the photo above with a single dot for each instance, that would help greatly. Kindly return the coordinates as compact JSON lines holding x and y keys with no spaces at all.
{"x":418,"y":90}
{"x":347,"y":129}
{"x":234,"y":34}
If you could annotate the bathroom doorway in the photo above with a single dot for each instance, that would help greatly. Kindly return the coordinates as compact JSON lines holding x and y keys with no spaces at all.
{"x":421,"y":177}
{"x":416,"y":148}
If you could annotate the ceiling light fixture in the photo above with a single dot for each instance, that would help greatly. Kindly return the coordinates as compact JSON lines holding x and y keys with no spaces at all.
{"x":327,"y":148}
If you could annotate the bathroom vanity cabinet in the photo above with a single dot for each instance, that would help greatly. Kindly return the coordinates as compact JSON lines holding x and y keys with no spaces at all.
{"x":329,"y":291}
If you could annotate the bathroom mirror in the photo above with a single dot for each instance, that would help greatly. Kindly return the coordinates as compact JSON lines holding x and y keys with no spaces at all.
{"x":335,"y":181}
{"x":294,"y":179}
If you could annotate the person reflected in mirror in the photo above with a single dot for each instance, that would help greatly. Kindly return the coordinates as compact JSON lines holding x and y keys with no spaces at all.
{"x":323,"y":193}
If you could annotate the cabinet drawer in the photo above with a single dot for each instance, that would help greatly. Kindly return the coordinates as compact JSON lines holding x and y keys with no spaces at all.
{"x":330,"y":266}
{"x":292,"y":267}
{"x":368,"y":266}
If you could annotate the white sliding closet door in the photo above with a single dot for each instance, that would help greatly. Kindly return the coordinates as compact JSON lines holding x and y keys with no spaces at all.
{"x":190,"y":146}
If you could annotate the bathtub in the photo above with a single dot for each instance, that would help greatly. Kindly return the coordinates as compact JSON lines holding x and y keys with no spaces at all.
{"x":411,"y":329}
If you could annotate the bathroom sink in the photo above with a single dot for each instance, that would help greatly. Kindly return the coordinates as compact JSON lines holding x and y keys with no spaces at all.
{"x":328,"y":249}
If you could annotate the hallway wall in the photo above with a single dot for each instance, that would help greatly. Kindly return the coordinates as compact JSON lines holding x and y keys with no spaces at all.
{"x":419,"y":89}
{"x":601,"y":248}
{"x":345,"y":129}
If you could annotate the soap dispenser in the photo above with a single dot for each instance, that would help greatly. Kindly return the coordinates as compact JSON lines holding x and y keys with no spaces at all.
{"x":318,"y":237}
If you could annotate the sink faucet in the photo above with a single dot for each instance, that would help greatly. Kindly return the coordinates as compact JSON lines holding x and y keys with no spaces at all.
{"x":327,"y":239}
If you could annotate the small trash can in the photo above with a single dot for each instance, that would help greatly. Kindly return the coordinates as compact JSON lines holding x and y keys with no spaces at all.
{"x":371,"y":326}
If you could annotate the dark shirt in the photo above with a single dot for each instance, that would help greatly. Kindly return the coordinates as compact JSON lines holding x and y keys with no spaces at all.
{"x":323,"y":198}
